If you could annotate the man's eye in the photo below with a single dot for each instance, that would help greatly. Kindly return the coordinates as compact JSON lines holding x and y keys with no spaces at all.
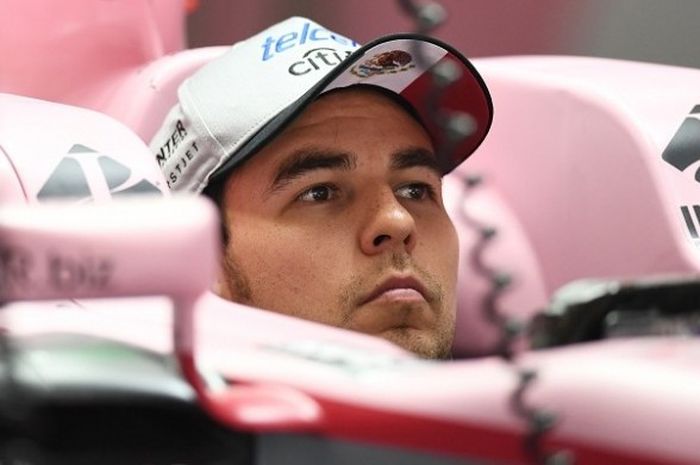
{"x":321,"y":193}
{"x":416,"y":191}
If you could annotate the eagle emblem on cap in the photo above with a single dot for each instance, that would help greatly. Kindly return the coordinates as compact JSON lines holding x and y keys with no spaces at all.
{"x":384,"y":63}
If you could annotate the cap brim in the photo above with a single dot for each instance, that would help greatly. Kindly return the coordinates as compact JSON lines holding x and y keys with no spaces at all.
{"x":376,"y":64}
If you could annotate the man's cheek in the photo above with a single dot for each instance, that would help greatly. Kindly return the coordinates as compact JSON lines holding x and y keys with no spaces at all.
{"x":447,"y":262}
{"x":296,"y":270}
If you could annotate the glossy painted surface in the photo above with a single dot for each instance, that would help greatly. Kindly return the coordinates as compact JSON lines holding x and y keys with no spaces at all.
{"x":575,"y":178}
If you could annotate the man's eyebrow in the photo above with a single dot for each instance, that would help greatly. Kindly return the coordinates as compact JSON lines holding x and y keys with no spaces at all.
{"x":415,"y":156}
{"x":306,"y":160}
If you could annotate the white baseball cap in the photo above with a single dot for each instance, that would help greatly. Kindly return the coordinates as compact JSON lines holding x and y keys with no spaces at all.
{"x":238,"y":102}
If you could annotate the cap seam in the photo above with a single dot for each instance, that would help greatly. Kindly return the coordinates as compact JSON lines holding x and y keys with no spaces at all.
{"x":190,"y":101}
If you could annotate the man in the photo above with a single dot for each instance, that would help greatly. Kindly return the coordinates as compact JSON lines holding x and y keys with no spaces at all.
{"x":323,"y":159}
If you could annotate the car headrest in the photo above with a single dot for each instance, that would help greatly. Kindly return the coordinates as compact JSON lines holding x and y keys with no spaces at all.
{"x":50,"y":150}
{"x":591,"y":157}
{"x":475,"y":210}
{"x":590,"y":172}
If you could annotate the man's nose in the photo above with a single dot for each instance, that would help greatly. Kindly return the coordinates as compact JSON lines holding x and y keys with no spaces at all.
{"x":388,"y":226}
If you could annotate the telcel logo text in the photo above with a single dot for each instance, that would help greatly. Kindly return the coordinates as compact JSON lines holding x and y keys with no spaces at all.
{"x":290,"y":40}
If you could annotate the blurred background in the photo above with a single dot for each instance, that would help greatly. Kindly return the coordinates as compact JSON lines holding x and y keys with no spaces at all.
{"x":658,"y":31}
{"x":82,"y":52}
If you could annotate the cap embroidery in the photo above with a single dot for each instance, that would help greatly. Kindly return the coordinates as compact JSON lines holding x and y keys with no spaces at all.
{"x":384,"y":63}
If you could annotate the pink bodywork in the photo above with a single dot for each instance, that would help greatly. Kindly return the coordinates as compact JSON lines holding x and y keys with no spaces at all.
{"x":574,"y":183}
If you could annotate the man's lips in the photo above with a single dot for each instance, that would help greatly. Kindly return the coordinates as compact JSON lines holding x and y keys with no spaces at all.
{"x":398,"y":289}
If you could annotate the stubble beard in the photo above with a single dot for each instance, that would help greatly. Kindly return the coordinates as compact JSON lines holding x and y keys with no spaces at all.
{"x":436,"y":345}
{"x":430,"y":344}
{"x":236,"y":282}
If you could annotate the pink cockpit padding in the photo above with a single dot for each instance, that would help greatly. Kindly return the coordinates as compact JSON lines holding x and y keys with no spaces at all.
{"x":576,"y":152}
{"x":56,"y":151}
{"x":76,"y":51}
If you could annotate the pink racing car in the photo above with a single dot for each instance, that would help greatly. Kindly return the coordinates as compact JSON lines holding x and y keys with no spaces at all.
{"x":577,"y":322}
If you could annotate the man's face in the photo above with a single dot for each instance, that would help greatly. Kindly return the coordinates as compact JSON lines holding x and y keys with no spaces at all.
{"x":340,"y":220}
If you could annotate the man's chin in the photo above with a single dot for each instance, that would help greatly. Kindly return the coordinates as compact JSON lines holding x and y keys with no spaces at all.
{"x":423,"y":343}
